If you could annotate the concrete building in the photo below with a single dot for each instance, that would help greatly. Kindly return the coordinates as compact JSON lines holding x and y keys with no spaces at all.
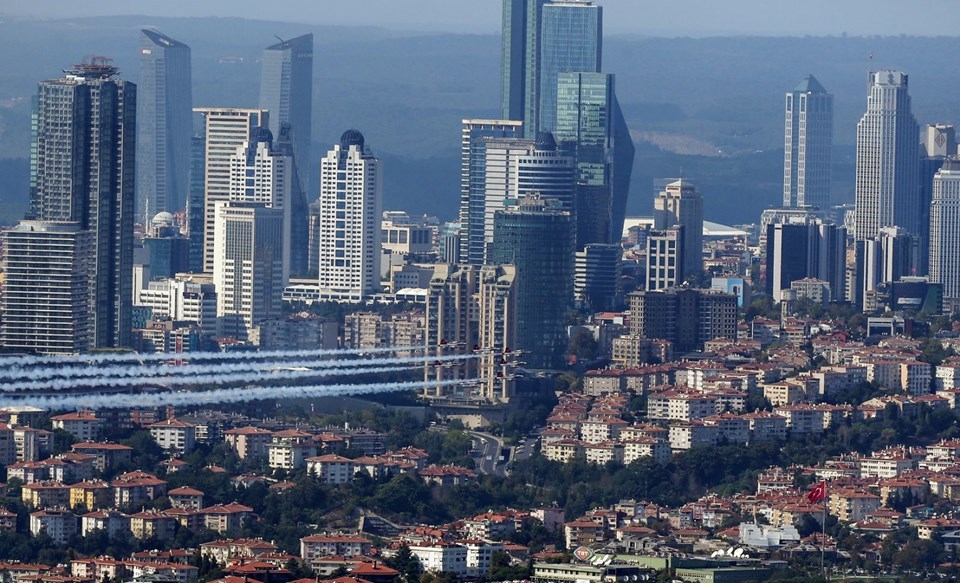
{"x":248,"y":271}
{"x":349,"y":221}
{"x":46,"y":295}
{"x":680,"y":205}
{"x":224,"y":130}
{"x":686,"y":317}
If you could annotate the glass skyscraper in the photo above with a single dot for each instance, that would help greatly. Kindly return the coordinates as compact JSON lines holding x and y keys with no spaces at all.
{"x":537,"y":237}
{"x":570,"y":41}
{"x":84,"y":173}
{"x":164,"y":125}
{"x":286,"y":90}
{"x":808,"y":140}
{"x":589,"y":116}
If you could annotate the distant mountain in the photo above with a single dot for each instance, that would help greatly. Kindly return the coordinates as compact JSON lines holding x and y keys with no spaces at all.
{"x":711,"y":108}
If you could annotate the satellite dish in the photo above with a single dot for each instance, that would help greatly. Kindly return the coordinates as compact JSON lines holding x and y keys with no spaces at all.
{"x":738,"y":553}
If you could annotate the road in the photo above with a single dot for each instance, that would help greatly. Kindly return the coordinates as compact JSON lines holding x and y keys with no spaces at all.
{"x":489,"y":447}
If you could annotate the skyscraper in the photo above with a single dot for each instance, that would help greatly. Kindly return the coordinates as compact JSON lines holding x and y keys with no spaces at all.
{"x":520,"y":61}
{"x":47,"y":299}
{"x":537,"y":236}
{"x":938,"y":142}
{"x":589,"y":116}
{"x":259,"y":173}
{"x":286,"y":91}
{"x":887,"y":184}
{"x":473,"y":180}
{"x":808,"y":140}
{"x":679,"y":204}
{"x":224,"y":130}
{"x":570,"y":41}
{"x":349,"y":221}
{"x":548,"y":171}
{"x":945,"y":230}
{"x":164,"y":125}
{"x":248,"y":267}
{"x":84,"y":173}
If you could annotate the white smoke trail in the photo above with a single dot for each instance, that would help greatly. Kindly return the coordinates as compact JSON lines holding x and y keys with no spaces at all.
{"x":111,"y":375}
{"x":131,"y":357}
{"x":217,"y":396}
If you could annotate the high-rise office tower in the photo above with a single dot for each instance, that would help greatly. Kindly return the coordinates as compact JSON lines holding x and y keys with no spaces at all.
{"x":679,"y":204}
{"x":260,"y":173}
{"x":248,"y":267}
{"x":520,"y":61}
{"x":887,"y":184}
{"x":808,"y":140}
{"x":47,"y":289}
{"x":224,"y":130}
{"x":507,"y":168}
{"x":85,"y":147}
{"x":570,"y":41}
{"x":537,"y":236}
{"x":805,"y":247}
{"x":589,"y":116}
{"x":164,"y":125}
{"x":286,"y":91}
{"x":945,"y":230}
{"x":473,"y":180}
{"x":349,"y":221}
{"x":938,"y":142}
{"x":548,"y":171}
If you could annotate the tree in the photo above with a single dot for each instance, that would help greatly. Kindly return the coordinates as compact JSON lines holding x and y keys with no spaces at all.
{"x":406,"y":563}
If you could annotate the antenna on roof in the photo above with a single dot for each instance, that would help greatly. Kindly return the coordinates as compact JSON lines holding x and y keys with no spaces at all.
{"x":279,"y":39}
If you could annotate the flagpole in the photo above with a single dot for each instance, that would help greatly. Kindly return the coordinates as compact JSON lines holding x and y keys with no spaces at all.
{"x":823,"y":538}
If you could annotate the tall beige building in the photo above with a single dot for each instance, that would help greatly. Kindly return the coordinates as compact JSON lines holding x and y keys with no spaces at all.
{"x":680,"y":205}
{"x":225,"y":130}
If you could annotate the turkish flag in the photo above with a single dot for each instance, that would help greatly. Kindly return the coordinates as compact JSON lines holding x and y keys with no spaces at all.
{"x":818,"y":493}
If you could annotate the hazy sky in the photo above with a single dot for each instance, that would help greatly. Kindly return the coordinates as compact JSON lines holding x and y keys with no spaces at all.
{"x":658,"y":18}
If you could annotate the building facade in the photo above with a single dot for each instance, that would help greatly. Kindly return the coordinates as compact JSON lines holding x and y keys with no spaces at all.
{"x":224,"y":130}
{"x":537,"y":236}
{"x":349,"y":221}
{"x":887,"y":181}
{"x":164,"y":125}
{"x":808,"y":142}
{"x":680,"y":205}
{"x":945,"y":230}
{"x":84,"y":148}
{"x":47,"y":292}
{"x":286,"y":91}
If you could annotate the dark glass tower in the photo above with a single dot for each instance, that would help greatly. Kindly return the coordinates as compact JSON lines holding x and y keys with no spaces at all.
{"x":286,"y":90}
{"x":537,"y":236}
{"x":164,"y":125}
{"x":521,"y":62}
{"x":84,"y":173}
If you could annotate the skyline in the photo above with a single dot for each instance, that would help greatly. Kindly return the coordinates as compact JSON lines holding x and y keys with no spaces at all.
{"x":683,"y":18}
